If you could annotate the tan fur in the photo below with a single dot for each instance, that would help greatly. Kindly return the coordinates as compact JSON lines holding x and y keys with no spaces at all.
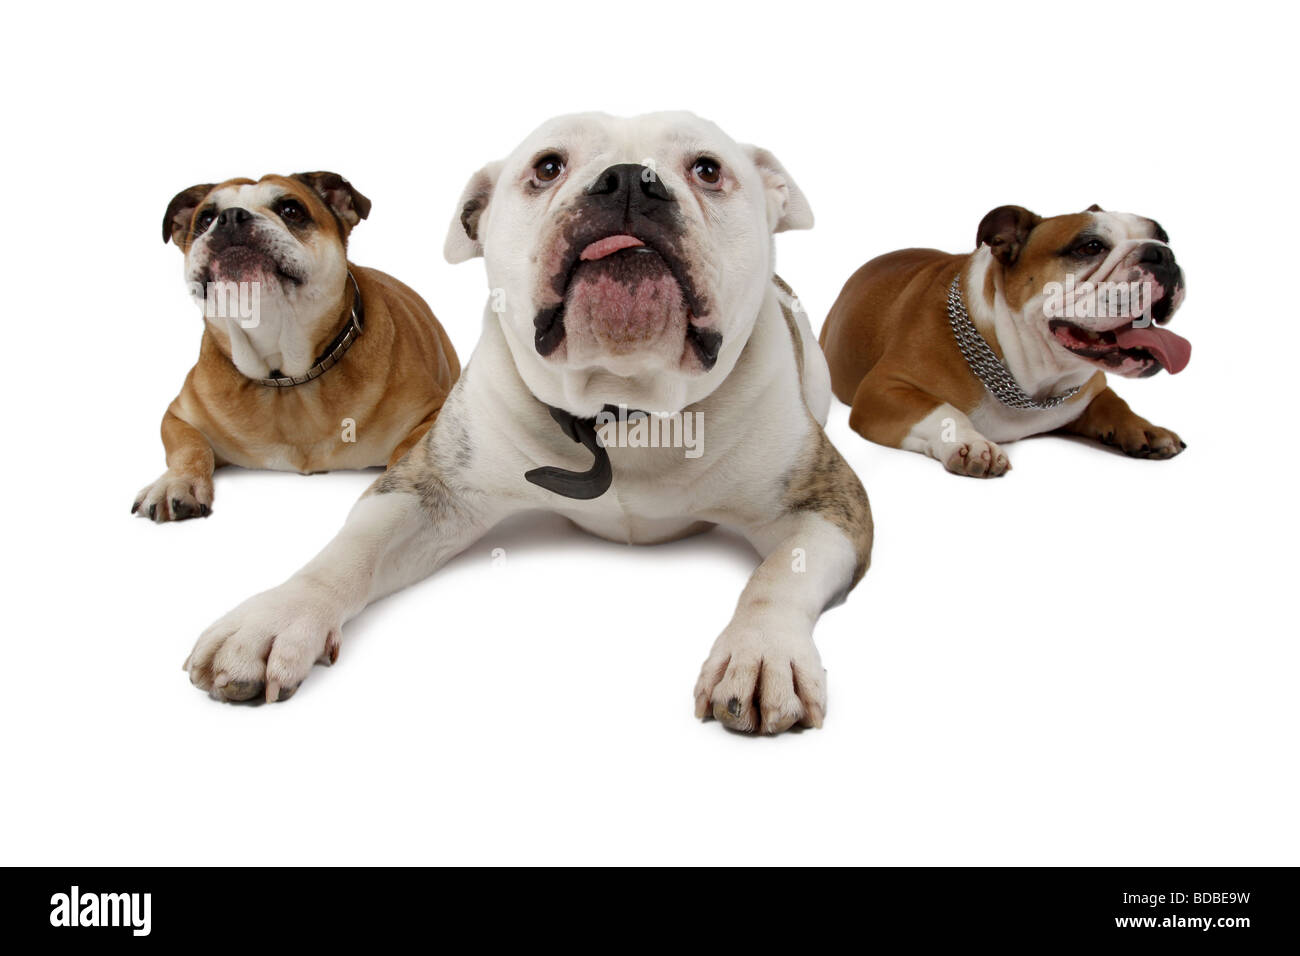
{"x":1039,"y":263}
{"x":391,"y":384}
{"x":891,"y":352}
{"x":894,"y":359}
{"x":1109,"y":420}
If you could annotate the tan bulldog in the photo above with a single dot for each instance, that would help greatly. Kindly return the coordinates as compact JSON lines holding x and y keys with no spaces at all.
{"x":307,"y":362}
{"x":949,"y":355}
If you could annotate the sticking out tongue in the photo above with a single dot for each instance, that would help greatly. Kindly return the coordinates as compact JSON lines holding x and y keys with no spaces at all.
{"x":1172,"y":351}
{"x":608,"y":246}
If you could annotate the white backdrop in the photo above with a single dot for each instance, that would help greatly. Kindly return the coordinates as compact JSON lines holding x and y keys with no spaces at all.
{"x":1089,"y":661}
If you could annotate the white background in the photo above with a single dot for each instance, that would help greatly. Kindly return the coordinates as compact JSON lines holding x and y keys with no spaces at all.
{"x":1090,"y":661}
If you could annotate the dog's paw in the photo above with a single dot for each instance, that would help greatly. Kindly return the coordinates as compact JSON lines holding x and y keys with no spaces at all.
{"x":978,"y":458}
{"x":266,"y":646}
{"x":761,"y":678}
{"x":174,"y":497}
{"x":1141,"y":439}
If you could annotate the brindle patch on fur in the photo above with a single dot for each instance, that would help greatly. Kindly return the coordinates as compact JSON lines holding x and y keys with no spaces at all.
{"x":418,"y":474}
{"x":430,"y":470}
{"x":822,"y":482}
{"x":463,"y":445}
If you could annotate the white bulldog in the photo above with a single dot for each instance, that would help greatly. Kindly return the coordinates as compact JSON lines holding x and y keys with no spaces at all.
{"x":633,"y":302}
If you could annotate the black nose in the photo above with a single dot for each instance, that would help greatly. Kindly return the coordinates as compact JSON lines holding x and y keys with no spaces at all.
{"x":634,"y":184}
{"x":1156,"y":254}
{"x":233,"y":218}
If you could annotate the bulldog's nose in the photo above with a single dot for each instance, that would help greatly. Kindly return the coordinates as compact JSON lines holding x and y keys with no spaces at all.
{"x":233,"y":218}
{"x":1157,"y":254}
{"x":635,"y":184}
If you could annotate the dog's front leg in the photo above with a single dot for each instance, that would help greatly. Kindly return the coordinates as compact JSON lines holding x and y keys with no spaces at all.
{"x":185,"y":489}
{"x":407,"y":525}
{"x":1109,"y":420}
{"x":764,"y":673}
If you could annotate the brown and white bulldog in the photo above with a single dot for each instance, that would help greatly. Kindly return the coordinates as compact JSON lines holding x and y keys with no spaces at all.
{"x":307,"y":363}
{"x":948,"y":355}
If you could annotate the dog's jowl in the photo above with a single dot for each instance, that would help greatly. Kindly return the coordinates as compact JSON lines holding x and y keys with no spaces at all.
{"x":631,"y":269}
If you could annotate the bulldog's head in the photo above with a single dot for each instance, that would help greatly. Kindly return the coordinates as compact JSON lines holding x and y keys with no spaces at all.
{"x":1095,"y":285}
{"x":628,"y":258}
{"x":286,"y":234}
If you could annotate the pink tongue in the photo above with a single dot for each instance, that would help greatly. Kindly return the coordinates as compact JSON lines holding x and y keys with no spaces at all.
{"x":608,"y":246}
{"x":1172,"y":351}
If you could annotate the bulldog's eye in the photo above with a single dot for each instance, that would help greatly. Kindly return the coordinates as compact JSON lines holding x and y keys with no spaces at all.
{"x":291,"y":211}
{"x":548,"y":168}
{"x":204,"y":219}
{"x":708,"y":171}
{"x":1093,"y":247}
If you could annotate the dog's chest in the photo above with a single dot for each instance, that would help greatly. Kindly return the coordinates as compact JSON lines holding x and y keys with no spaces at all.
{"x":998,"y":422}
{"x":654,"y":497}
{"x":305,"y":438}
{"x":329,"y":454}
{"x":661,"y":494}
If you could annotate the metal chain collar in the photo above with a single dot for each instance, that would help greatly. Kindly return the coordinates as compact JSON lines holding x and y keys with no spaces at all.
{"x":984,"y":362}
{"x":333,"y":352}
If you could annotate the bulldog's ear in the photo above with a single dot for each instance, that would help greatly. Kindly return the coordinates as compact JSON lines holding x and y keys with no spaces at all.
{"x":787,"y":207}
{"x":339,"y":194}
{"x":180,"y":211}
{"x":1094,"y":208}
{"x":1005,"y":230}
{"x":463,"y":240}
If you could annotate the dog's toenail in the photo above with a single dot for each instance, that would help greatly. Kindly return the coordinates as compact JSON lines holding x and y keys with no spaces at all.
{"x":733,"y":707}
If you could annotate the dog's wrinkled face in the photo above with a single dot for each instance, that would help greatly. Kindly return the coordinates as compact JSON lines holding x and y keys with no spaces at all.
{"x":1094,"y":284}
{"x":628,"y":258}
{"x":287,"y":234}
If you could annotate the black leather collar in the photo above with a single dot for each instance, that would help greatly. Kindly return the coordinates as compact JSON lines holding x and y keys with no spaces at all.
{"x":333,"y":352}
{"x":583,"y":485}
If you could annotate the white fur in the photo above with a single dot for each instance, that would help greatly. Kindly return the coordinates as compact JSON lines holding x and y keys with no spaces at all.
{"x":952,"y":438}
{"x":733,"y":234}
{"x":285,"y":336}
{"x":1031,"y":353}
{"x":495,"y":426}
